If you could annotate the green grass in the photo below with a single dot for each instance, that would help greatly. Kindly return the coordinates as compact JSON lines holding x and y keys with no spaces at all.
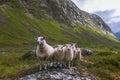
{"x":12,"y":64}
{"x":104,"y":64}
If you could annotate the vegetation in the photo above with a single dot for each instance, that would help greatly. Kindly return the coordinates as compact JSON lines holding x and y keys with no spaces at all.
{"x":104,"y":64}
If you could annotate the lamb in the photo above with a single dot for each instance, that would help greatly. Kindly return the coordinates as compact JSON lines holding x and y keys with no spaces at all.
{"x":78,"y":55}
{"x":59,"y":54}
{"x":68,"y":54}
{"x":74,"y":53}
{"x":43,"y":51}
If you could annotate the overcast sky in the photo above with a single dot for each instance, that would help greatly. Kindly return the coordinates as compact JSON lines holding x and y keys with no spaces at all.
{"x":108,"y":10}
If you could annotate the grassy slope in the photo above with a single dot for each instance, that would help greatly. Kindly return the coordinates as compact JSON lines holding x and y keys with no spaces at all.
{"x":18,"y":30}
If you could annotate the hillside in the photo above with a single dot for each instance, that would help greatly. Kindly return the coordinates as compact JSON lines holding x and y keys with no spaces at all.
{"x":61,"y":21}
{"x":23,"y":20}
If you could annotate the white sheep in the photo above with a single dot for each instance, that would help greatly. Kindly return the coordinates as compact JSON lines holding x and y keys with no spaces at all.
{"x":78,"y":55}
{"x":43,"y":51}
{"x":74,"y":47}
{"x":68,"y":54}
{"x":59,"y":54}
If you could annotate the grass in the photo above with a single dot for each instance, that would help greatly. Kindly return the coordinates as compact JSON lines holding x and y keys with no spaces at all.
{"x":104,"y":64}
{"x":12,"y":64}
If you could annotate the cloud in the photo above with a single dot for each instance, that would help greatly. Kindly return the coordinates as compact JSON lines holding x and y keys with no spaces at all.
{"x":98,"y":5}
{"x":115,"y":19}
{"x":108,"y":10}
{"x":105,"y":15}
{"x":110,"y":19}
{"x":79,"y":2}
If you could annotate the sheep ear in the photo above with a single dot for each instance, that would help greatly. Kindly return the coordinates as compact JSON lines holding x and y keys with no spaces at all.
{"x":75,"y":43}
{"x":64,"y":45}
{"x":44,"y":37}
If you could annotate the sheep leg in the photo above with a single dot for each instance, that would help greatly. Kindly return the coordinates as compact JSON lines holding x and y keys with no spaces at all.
{"x":51,"y":62}
{"x":63,"y":64}
{"x":40,"y":63}
{"x":73,"y":63}
{"x":69,"y":64}
{"x":46,"y":64}
{"x":60,"y":64}
{"x":78,"y":62}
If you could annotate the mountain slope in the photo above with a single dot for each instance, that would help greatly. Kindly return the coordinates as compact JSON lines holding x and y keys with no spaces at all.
{"x":61,"y":21}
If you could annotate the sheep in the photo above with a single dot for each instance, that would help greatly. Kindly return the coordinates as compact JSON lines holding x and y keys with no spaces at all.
{"x":43,"y":51}
{"x":68,"y":54}
{"x":78,"y":55}
{"x":59,"y":54}
{"x":74,"y":47}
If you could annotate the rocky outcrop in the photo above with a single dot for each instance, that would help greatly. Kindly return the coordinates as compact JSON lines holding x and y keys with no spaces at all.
{"x":100,"y":23}
{"x":74,"y":73}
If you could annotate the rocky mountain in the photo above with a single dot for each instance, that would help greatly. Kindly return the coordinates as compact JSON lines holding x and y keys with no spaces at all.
{"x":117,"y":34}
{"x":22,"y":20}
{"x":65,"y":11}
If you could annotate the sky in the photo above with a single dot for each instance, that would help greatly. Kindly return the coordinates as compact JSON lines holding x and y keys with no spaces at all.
{"x":108,"y":10}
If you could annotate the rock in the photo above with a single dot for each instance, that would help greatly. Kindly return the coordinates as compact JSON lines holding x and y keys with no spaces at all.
{"x":87,"y":52}
{"x":28,"y":54}
{"x":4,"y":52}
{"x":58,"y":74}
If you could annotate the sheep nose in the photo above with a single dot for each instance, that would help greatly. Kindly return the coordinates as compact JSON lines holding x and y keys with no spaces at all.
{"x":69,"y":49}
{"x":59,"y":50}
{"x":37,"y":42}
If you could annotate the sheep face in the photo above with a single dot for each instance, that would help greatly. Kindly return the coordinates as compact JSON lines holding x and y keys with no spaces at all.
{"x":60,"y":48}
{"x":74,"y":45}
{"x":68,"y":47}
{"x":40,"y":40}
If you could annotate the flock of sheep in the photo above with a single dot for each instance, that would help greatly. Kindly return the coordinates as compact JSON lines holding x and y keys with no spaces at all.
{"x":67,"y":54}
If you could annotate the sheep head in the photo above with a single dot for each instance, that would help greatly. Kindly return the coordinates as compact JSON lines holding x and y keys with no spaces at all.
{"x":40,"y":40}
